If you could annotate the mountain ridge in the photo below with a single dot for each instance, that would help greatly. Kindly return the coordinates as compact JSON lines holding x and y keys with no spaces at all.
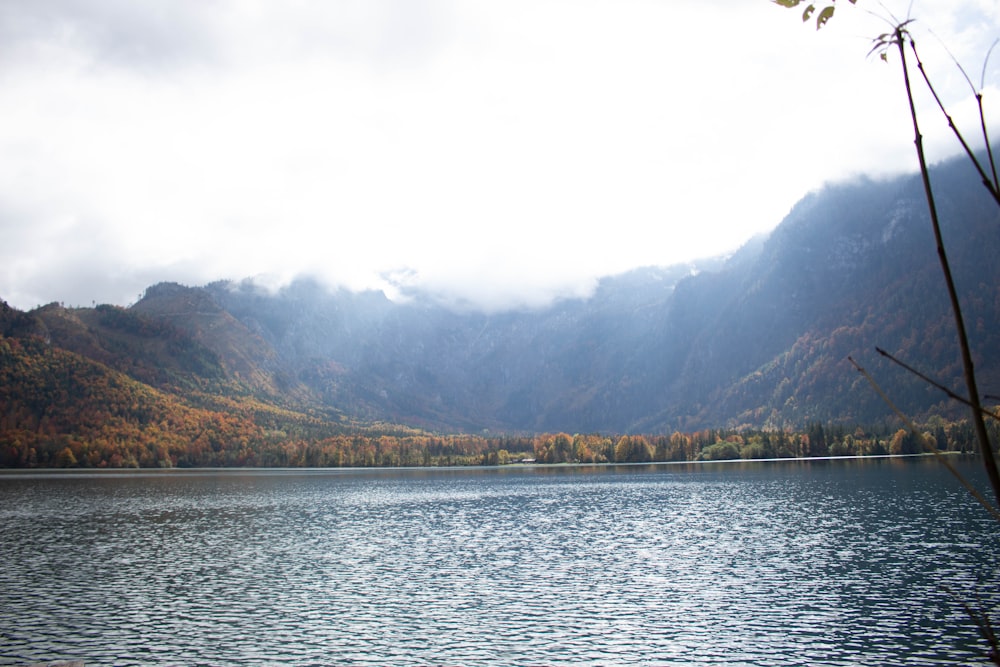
{"x":758,"y":340}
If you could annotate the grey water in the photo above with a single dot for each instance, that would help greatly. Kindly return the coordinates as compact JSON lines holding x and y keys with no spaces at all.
{"x":841,"y":562}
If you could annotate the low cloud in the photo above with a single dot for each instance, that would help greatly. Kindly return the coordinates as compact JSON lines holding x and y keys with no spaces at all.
{"x":500,"y":154}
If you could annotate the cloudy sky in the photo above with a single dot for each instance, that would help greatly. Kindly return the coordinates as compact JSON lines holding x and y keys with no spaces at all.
{"x":501,"y":151}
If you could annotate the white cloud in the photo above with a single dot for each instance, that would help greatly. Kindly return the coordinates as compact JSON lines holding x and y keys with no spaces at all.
{"x":498,"y":151}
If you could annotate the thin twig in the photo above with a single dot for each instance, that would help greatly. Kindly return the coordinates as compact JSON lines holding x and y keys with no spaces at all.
{"x":938,"y":385}
{"x":968,"y":367}
{"x":986,"y":139}
{"x":990,"y":186}
{"x":982,"y":621}
{"x":933,"y":450}
{"x":978,"y":92}
{"x":982,"y":115}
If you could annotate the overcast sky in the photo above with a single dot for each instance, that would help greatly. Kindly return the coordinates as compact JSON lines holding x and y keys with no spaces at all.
{"x":501,"y":151}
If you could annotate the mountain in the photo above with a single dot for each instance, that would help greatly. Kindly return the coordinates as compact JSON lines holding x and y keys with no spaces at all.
{"x":758,"y":339}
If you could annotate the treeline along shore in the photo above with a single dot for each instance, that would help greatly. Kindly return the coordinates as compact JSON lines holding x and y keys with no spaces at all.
{"x":223,"y":447}
{"x":62,"y":410}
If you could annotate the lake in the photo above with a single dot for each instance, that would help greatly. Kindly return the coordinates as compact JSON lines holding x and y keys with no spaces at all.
{"x":839,"y":562}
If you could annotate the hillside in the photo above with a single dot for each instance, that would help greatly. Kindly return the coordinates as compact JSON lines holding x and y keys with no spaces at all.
{"x":759,"y":339}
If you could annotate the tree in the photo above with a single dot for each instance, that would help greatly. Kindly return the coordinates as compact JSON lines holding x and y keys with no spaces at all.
{"x":554,"y":448}
{"x":898,"y":39}
{"x":65,"y":458}
{"x":680,"y":448}
{"x":817,"y":440}
{"x":633,"y":449}
{"x":905,"y":441}
{"x":720,"y":451}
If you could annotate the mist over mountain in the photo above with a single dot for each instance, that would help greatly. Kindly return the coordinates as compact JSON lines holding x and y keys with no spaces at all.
{"x":759,"y":339}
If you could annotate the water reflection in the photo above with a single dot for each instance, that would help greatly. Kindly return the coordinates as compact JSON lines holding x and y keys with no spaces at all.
{"x":823,"y":563}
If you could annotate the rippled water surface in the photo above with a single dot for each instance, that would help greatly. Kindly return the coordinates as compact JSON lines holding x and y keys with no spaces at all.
{"x":793,"y":563}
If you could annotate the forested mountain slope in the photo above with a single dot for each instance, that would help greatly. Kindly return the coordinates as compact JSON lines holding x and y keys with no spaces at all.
{"x":759,"y":339}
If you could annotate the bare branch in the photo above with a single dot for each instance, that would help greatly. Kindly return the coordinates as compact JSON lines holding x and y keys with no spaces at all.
{"x":986,"y":61}
{"x":938,"y":385}
{"x":982,"y":115}
{"x":982,"y":621}
{"x":968,"y":367}
{"x":933,"y":450}
{"x":978,"y":92}
{"x":990,"y":185}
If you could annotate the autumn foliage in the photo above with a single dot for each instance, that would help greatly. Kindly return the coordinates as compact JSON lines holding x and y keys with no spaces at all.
{"x":59,"y":408}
